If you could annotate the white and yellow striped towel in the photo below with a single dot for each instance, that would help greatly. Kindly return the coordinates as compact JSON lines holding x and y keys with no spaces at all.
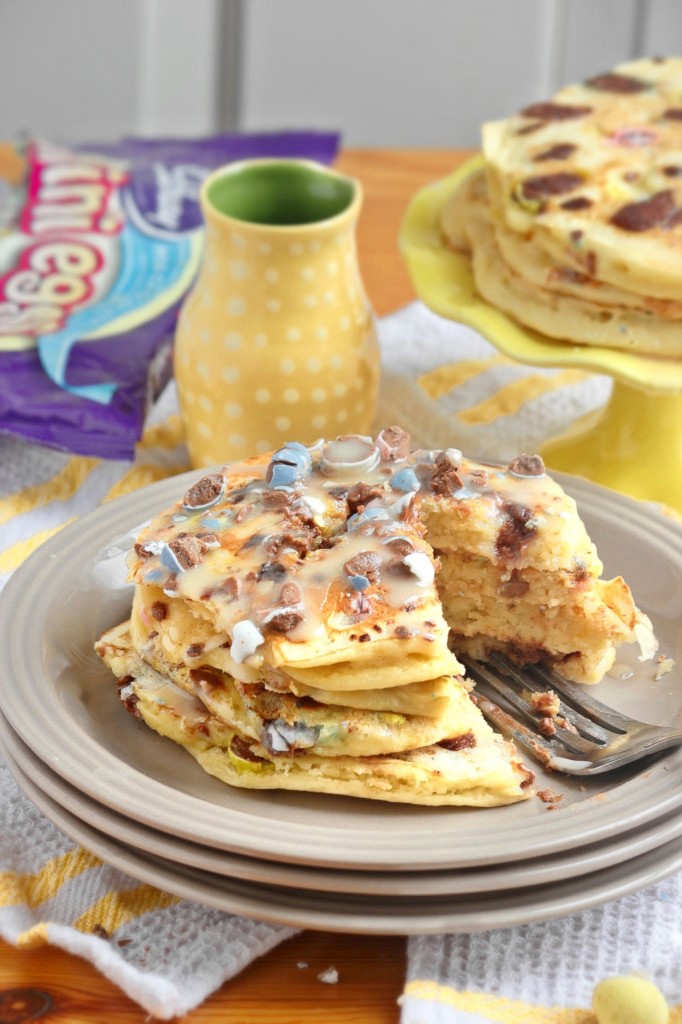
{"x":52,"y":891}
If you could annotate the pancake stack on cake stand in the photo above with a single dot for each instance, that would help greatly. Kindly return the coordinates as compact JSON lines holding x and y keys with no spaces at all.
{"x":633,"y":444}
{"x":141,"y":803}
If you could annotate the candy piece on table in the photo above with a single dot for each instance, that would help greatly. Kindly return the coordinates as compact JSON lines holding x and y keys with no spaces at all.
{"x":629,"y":1000}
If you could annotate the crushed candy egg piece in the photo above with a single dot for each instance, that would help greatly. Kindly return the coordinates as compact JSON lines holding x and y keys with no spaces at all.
{"x":665,"y":665}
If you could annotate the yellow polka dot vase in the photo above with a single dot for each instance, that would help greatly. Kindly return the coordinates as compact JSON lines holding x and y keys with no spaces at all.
{"x":277,"y":341}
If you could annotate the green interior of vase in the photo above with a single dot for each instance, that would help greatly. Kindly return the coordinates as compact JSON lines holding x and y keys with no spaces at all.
{"x":280,"y":192}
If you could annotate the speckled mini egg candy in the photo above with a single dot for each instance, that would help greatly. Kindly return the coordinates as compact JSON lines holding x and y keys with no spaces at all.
{"x":629,"y":1000}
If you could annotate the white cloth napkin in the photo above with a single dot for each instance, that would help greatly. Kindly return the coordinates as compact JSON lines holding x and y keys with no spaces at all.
{"x":169,"y":954}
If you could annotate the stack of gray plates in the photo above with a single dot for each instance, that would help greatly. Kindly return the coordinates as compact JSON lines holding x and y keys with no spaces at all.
{"x":142,"y":804}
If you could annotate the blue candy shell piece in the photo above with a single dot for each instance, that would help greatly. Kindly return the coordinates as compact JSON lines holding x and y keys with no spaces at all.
{"x":296,"y":454}
{"x":282,"y":475}
{"x":169,"y":561}
{"x":405,"y":480}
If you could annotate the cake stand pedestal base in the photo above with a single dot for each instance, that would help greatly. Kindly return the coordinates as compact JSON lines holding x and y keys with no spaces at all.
{"x":633,"y":444}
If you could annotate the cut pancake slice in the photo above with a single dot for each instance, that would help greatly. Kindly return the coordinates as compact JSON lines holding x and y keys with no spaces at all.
{"x":568,"y":620}
{"x":473,"y":767}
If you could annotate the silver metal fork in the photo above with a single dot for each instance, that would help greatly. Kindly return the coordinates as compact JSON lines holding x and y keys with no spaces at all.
{"x":565,"y":729}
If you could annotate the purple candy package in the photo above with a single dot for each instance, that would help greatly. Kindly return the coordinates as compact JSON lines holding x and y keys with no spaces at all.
{"x":99,"y":245}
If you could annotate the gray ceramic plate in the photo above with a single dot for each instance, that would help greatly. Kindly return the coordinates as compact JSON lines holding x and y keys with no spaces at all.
{"x":516,"y":875}
{"x":63,"y":704}
{"x":366,"y":914}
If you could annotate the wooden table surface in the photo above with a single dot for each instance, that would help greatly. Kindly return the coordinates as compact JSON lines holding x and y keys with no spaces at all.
{"x":275,"y":990}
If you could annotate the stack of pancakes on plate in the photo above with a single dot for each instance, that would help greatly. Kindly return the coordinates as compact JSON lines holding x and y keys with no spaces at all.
{"x":574,"y":225}
{"x":292,"y":613}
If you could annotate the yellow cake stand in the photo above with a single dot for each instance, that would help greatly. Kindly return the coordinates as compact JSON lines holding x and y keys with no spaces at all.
{"x":634,"y":443}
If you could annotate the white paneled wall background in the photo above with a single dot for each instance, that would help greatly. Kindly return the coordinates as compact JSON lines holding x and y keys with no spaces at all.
{"x":384,"y":72}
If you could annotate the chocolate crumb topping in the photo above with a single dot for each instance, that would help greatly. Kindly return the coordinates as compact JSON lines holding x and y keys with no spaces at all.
{"x":277,"y":500}
{"x":365,"y":563}
{"x":188,"y":550}
{"x":290,"y":593}
{"x":403,"y":632}
{"x":445,"y":477}
{"x":291,"y":614}
{"x":393,"y":443}
{"x":360,"y":495}
{"x":131,"y":700}
{"x":300,"y":543}
{"x":159,"y":610}
{"x":195,"y":650}
{"x":561,"y":151}
{"x":647,"y":213}
{"x":613,"y":82}
{"x":204,"y":491}
{"x":673,"y":114}
{"x":527,"y":465}
{"x":285,"y":621}
{"x":555,"y":111}
{"x":467,"y":741}
{"x":515,"y":531}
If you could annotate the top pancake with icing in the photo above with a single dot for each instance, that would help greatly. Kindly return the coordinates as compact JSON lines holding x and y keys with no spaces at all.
{"x":321,"y":562}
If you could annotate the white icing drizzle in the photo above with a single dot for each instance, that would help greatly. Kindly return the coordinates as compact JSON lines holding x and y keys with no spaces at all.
{"x":246,"y":638}
{"x":421,"y":566}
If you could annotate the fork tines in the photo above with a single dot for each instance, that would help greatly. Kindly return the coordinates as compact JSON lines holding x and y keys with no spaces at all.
{"x":565,"y":727}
